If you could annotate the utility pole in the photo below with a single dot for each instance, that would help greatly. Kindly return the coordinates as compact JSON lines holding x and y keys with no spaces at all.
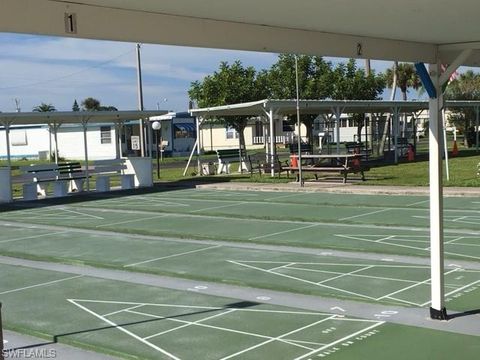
{"x":17,"y":105}
{"x":140,"y":100}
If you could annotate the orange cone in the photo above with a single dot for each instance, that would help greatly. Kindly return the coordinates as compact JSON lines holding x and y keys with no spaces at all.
{"x":455,"y":148}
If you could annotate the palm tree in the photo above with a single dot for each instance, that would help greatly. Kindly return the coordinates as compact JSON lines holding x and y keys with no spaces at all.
{"x":406,"y":77}
{"x":43,"y":107}
{"x":91,"y":104}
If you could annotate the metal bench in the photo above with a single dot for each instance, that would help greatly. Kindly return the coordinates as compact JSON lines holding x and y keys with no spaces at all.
{"x":226,"y":156}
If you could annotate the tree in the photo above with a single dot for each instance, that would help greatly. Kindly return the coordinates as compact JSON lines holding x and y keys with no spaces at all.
{"x":465,"y":87}
{"x":90,"y":104}
{"x":406,"y":77}
{"x":43,"y":107}
{"x":314,"y":79}
{"x":75,"y":106}
{"x":352,"y":83}
{"x":230,"y":84}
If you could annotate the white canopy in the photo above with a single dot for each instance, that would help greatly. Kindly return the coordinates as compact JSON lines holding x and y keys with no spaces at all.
{"x":395,"y":30}
{"x":74,"y":117}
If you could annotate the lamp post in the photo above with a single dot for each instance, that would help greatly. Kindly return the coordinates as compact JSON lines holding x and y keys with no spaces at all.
{"x":156,"y":125}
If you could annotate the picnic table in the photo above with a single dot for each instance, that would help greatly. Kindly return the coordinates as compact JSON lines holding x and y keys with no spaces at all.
{"x":341,"y":163}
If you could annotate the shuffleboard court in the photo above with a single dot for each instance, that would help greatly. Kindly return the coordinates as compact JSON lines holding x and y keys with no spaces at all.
{"x":131,"y":320}
{"x":459,"y":243}
{"x":322,"y":275}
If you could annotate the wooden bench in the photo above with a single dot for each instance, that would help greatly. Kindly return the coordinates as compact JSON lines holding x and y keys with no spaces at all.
{"x":259,"y":162}
{"x":342,"y":164}
{"x":104,"y":170}
{"x":36,"y":178}
{"x":226,"y":156}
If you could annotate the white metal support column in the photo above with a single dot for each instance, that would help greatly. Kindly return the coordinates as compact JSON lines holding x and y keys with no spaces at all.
{"x":6,"y":125}
{"x":55,"y":128}
{"x":118,"y":126}
{"x":396,"y":117}
{"x":437,"y":309}
{"x":85,"y":147}
{"x":477,"y":116}
{"x":272,"y":143}
{"x":337,"y":111}
{"x":199,"y":146}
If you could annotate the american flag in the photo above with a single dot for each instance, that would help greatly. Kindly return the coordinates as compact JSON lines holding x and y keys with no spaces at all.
{"x":454,"y":76}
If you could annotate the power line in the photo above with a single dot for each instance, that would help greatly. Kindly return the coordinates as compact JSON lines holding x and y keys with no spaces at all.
{"x":68,"y":75}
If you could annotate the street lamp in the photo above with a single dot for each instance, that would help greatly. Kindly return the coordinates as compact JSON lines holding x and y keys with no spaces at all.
{"x":156,"y":125}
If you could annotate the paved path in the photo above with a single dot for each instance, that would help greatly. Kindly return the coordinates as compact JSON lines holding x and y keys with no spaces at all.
{"x":349,"y":188}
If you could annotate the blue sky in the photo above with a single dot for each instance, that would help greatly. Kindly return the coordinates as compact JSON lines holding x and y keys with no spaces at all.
{"x":38,"y":69}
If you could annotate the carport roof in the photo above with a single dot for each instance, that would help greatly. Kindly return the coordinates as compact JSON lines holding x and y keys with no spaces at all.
{"x":427,"y":30}
{"x":74,"y":117}
{"x":288,"y":107}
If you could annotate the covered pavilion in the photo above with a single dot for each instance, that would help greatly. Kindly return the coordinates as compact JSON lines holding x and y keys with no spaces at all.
{"x":56,"y":119}
{"x":430,"y":31}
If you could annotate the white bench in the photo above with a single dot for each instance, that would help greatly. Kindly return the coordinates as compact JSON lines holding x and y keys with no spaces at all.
{"x":64,"y":177}
{"x":106,"y":169}
{"x":225,"y":156}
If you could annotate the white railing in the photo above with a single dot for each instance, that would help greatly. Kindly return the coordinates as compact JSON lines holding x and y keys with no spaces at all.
{"x":279,"y":139}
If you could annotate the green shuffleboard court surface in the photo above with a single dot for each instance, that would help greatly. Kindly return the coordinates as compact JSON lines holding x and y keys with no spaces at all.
{"x":361,"y":258}
{"x":141,"y":322}
{"x":323,"y":275}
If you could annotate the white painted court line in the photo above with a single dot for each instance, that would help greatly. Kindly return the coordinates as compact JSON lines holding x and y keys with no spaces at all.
{"x":453,"y":240}
{"x":385,"y":238}
{"x":211,"y":327}
{"x":33,"y":236}
{"x":41,"y":284}
{"x":352,"y":237}
{"x":149,"y":344}
{"x":191,"y":324}
{"x":133,"y":220}
{"x":295,"y":194}
{"x":284,"y":232}
{"x":339,"y":341}
{"x":418,"y":203}
{"x":303,"y":280}
{"x":81,"y":213}
{"x":119,"y":311}
{"x":345,"y":274}
{"x":277,"y":338}
{"x":281,"y":266}
{"x":365,"y":214}
{"x":404,"y":301}
{"x":355,"y":275}
{"x":174,"y":255}
{"x":203,"y":307}
{"x":412,"y":286}
{"x":219,"y":207}
{"x":455,"y":291}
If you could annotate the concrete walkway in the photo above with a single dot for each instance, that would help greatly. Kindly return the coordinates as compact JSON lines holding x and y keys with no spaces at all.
{"x":331,"y":187}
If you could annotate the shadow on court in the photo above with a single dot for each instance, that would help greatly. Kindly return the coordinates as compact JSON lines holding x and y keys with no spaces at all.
{"x":237,"y":305}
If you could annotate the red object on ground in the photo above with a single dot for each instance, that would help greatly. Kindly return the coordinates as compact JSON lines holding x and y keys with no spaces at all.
{"x":455,"y":148}
{"x":410,"y":153}
{"x":293,"y":161}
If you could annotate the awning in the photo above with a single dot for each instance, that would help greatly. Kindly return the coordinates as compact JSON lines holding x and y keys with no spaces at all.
{"x":187,"y":127}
